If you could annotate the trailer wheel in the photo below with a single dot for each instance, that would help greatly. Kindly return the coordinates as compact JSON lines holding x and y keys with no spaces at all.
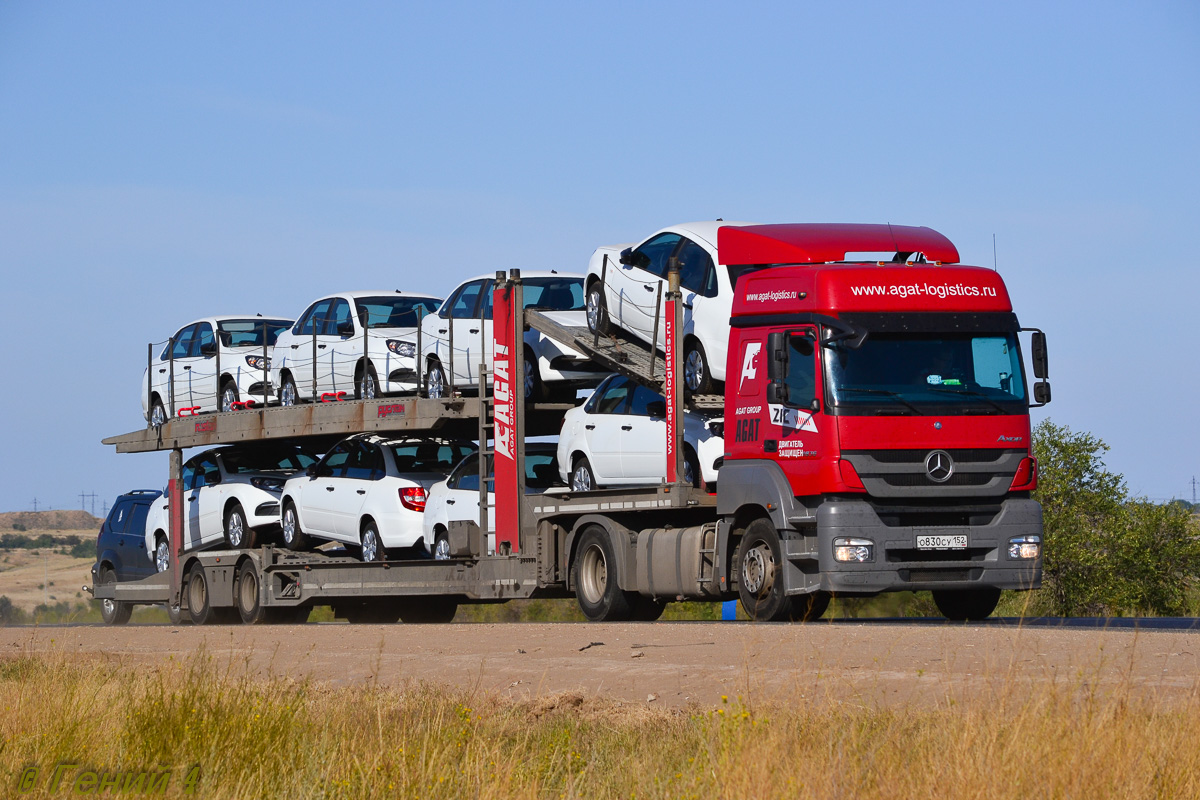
{"x":293,"y":537}
{"x":595,"y":577}
{"x":760,"y":573}
{"x":809,"y":607}
{"x":113,"y":612}
{"x":248,"y":594}
{"x":597,"y":309}
{"x":238,"y":535}
{"x":176,"y":615}
{"x":428,"y":610}
{"x":229,"y":395}
{"x":199,"y":609}
{"x":966,"y":604}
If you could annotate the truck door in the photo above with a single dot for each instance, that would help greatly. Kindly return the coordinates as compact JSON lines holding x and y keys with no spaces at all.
{"x":796,"y":427}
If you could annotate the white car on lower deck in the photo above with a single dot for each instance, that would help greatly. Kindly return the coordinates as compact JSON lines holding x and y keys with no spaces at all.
{"x":457,"y":497}
{"x":619,"y":438}
{"x":193,"y":373}
{"x":351,"y":361}
{"x":466,"y":315}
{"x":625,"y":292}
{"x":369,"y":493}
{"x":230,"y":496}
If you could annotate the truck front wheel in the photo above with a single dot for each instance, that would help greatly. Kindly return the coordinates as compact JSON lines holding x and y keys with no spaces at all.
{"x":967,"y":604}
{"x":760,"y":574}
{"x":595,"y":578}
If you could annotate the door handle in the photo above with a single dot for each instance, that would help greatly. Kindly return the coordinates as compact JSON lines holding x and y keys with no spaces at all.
{"x":329,"y":488}
{"x":161,"y":371}
{"x":441,"y":330}
{"x":590,"y":427}
{"x":191,"y":499}
{"x":449,"y":502}
{"x":187,"y":367}
{"x":320,"y":347}
{"x":647,"y":287}
{"x":362,"y":491}
{"x":473,"y":330}
{"x":626,"y":427}
{"x":295,"y":346}
{"x":687,"y":305}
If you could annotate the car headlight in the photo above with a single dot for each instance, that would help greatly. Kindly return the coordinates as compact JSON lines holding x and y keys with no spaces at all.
{"x":267,"y":484}
{"x":402,"y":348}
{"x":258,"y":362}
{"x":859,"y":550}
{"x":1024,"y":547}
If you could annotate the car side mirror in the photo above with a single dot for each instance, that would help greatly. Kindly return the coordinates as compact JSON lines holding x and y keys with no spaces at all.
{"x":208,"y":349}
{"x":626,"y":257}
{"x":345,"y":328}
{"x":1041,"y":392}
{"x":657,"y":409}
{"x":311,"y":470}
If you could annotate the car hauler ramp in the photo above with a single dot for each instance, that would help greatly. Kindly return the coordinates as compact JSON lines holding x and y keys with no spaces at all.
{"x":621,"y":353}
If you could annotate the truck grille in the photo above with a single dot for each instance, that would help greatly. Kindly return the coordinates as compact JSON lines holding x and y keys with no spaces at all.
{"x":978,"y":472}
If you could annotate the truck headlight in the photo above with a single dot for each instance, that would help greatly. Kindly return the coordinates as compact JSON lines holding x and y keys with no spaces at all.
{"x":1024,"y":547}
{"x":859,"y":550}
{"x":402,"y":348}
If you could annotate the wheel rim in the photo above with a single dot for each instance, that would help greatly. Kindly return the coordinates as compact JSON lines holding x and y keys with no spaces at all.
{"x":758,"y":569}
{"x":367,"y":390}
{"x":236,"y":529}
{"x":288,"y":398}
{"x":248,"y":591}
{"x":436,"y":383}
{"x":689,"y":475}
{"x":289,"y":525}
{"x":581,"y":479}
{"x":162,"y":556}
{"x":593,"y":309}
{"x":228,"y":398}
{"x":158,"y":415}
{"x":370,"y":545}
{"x":593,"y":574}
{"x":197,"y":593}
{"x":110,"y":606}
{"x":529,"y":378}
{"x":441,"y":548}
{"x":694,"y":370}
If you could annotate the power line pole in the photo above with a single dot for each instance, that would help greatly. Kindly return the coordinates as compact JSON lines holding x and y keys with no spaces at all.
{"x":93,"y":497}
{"x":35,"y":505}
{"x":1193,"y":490}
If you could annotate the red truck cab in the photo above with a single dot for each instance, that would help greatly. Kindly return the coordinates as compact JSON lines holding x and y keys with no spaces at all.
{"x":878,"y":412}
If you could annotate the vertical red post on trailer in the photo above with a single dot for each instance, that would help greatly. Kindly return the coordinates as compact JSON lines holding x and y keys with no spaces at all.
{"x":670,"y":388}
{"x":505,"y":318}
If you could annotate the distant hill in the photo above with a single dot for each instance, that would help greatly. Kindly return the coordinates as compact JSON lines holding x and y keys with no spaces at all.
{"x":49,"y":521}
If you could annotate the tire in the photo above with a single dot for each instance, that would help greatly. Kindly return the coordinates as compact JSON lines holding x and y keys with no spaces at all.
{"x":435,"y":380}
{"x":966,"y":604}
{"x":113,"y":612}
{"x":288,"y":394}
{"x":434,"y":610}
{"x":691,"y":464}
{"x":647,"y":609}
{"x":177,"y":615}
{"x":367,"y":385}
{"x":293,"y":537}
{"x":229,"y":396}
{"x":384,"y":611}
{"x":200,"y":608}
{"x":535,"y":389}
{"x":594,"y":576}
{"x":582,"y":477}
{"x":372,"y":548}
{"x":759,"y":565}
{"x":597,"y":309}
{"x":809,"y":607}
{"x":158,"y":414}
{"x":697,"y":377}
{"x":441,"y":546}
{"x":239,"y":535}
{"x":162,"y":554}
{"x":247,"y":593}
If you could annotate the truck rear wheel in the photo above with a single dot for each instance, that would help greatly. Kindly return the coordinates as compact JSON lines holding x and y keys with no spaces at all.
{"x":200,"y":608}
{"x":595,"y":578}
{"x":966,"y":604}
{"x":248,"y":594}
{"x":760,"y":574}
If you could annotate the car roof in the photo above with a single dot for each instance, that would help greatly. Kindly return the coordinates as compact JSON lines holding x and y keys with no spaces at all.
{"x":381,"y":293}
{"x":528,"y":273}
{"x":226,"y":317}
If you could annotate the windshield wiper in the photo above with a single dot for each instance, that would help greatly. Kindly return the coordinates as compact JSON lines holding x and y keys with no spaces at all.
{"x":887,"y":392}
{"x":980,"y":395}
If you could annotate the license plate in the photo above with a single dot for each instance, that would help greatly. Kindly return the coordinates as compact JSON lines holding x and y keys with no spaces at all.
{"x":954,"y":542}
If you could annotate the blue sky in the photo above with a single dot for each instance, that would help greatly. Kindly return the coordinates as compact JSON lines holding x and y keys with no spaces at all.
{"x":163,"y":161}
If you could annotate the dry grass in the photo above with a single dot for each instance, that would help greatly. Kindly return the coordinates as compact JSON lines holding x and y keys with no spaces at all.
{"x":277,"y":737}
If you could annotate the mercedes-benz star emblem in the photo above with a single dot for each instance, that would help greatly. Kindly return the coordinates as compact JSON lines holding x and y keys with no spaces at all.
{"x":939,"y":466}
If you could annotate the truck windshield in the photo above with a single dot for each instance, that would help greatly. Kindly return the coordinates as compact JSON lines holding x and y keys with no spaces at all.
{"x":928,"y":373}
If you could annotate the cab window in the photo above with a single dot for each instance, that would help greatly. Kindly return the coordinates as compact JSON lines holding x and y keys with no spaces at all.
{"x":801,"y":376}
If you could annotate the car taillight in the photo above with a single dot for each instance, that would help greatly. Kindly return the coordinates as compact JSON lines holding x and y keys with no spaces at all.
{"x":413,"y":498}
{"x":1026,"y":478}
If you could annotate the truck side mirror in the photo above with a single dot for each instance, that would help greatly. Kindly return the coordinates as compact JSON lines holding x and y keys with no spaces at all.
{"x":777,"y":355}
{"x":1041,"y":392}
{"x":1041,"y":365}
{"x":777,"y":393}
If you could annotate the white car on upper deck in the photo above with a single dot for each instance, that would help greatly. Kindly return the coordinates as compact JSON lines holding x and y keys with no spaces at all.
{"x":350,"y":360}
{"x":467,"y":316}
{"x":623,"y":293}
{"x":184,"y":374}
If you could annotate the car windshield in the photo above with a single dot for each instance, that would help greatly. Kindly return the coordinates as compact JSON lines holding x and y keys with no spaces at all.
{"x":266,"y":460}
{"x":395,"y":312}
{"x":556,"y":294}
{"x":926,"y":373}
{"x":249,"y":332}
{"x":429,"y":455}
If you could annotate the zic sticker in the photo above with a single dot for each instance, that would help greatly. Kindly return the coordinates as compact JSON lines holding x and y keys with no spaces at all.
{"x":792,"y":418}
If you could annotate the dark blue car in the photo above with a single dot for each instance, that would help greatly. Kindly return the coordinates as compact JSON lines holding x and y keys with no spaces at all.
{"x":121,"y":549}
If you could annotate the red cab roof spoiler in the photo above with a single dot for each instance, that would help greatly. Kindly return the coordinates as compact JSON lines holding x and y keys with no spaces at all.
{"x":816,"y":243}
